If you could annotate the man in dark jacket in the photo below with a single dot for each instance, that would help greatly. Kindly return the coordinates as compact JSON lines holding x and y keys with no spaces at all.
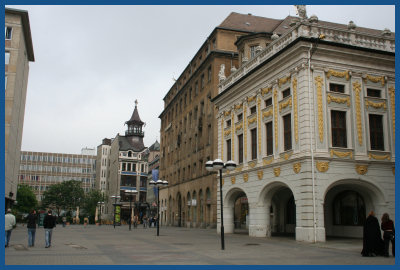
{"x":49,"y":223}
{"x":372,"y":240}
{"x":32,"y":220}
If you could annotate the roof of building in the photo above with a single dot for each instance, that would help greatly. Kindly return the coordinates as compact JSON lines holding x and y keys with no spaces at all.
{"x":131,"y":143}
{"x":249,"y":23}
{"x":135,"y":118}
{"x":26,"y":30}
{"x":155,"y":146}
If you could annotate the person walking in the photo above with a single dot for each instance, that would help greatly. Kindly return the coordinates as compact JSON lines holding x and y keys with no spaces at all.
{"x":387,"y":227}
{"x":10,"y":224}
{"x":135,"y":221}
{"x":49,"y":223}
{"x":32,"y":220}
{"x":144,"y":221}
{"x":372,"y":239}
{"x":64,"y":221}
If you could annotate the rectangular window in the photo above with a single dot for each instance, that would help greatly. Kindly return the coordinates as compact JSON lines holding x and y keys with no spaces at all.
{"x":253,"y":51}
{"x":196,"y":88}
{"x":228,"y":149}
{"x":286,"y":93}
{"x":209,"y":74}
{"x":240,"y":146}
{"x":287,"y":132}
{"x":376,"y":132}
{"x":202,"y":81}
{"x":253,"y":109}
{"x":253,"y":143}
{"x":339,"y":134}
{"x":339,"y":88}
{"x":8,"y":31}
{"x":373,"y":92}
{"x":268,"y":102}
{"x":240,"y":117}
{"x":270,"y":149}
{"x":7,"y":58}
{"x":228,"y":123}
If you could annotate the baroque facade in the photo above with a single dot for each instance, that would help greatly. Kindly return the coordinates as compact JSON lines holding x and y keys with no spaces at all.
{"x":18,"y":54}
{"x":310,"y":121}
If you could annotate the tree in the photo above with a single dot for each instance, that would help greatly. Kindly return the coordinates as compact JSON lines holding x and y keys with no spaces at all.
{"x":26,"y":199}
{"x":91,"y":200}
{"x":63,"y":196}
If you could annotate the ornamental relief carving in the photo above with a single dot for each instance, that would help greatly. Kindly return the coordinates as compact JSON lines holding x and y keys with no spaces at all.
{"x":319,"y":83}
{"x":239,"y":126}
{"x":357,"y":90}
{"x":361,"y":169}
{"x":297,"y":167}
{"x":265,"y":91}
{"x":268,"y":161}
{"x":393,"y":168}
{"x":251,"y":99}
{"x":238,"y":106}
{"x":285,"y":104}
{"x":276,"y":117}
{"x":245,"y":177}
{"x":260,"y":174}
{"x":233,"y":180}
{"x":392,"y":107}
{"x":233,"y":137}
{"x":378,"y":157}
{"x":376,"y":105}
{"x":252,"y":163}
{"x":345,"y":74}
{"x":375,"y":79}
{"x":277,"y":171}
{"x":341,"y":154}
{"x":282,"y":81}
{"x":330,"y":98}
{"x":259,"y":124}
{"x":252,"y":120}
{"x":227,"y":113}
{"x":296,"y":121}
{"x":245,"y":130}
{"x":267,"y":113}
{"x":322,"y":166}
{"x":239,"y":168}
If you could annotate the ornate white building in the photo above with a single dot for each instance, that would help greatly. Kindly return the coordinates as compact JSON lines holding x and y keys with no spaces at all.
{"x":309,"y":117}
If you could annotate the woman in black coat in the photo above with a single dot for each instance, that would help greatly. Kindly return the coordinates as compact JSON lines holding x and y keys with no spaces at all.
{"x":372,"y":238}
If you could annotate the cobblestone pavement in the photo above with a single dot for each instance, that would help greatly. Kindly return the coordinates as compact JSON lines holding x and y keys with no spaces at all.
{"x":104,"y":245}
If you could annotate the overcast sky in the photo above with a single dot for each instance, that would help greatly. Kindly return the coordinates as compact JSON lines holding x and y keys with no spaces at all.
{"x":92,"y":62}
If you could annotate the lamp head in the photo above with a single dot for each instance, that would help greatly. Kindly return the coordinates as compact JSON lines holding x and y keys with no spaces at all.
{"x":209,"y":166}
{"x":218,"y":164}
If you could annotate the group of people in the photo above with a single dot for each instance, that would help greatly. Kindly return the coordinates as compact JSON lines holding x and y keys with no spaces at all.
{"x":49,"y":223}
{"x":373,"y":242}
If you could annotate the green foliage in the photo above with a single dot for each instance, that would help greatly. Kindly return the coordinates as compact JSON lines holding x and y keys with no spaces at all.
{"x":63,"y":196}
{"x":26,"y":199}
{"x":90,"y":202}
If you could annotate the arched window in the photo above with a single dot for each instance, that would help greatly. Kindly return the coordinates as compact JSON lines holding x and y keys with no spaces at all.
{"x":349,"y":209}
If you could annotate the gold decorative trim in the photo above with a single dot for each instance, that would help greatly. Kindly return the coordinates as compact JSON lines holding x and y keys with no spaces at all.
{"x":392,"y":105}
{"x":286,"y":156}
{"x":319,"y":83}
{"x":361,"y":169}
{"x":265,"y":91}
{"x":276,"y":117}
{"x":268,"y":161}
{"x":322,"y":166}
{"x":239,"y":168}
{"x":268,"y":113}
{"x":233,"y":137}
{"x":222,"y":139}
{"x":297,"y":167}
{"x":375,"y":105}
{"x":239,"y":126}
{"x":252,"y":120}
{"x":283,"y":81}
{"x":245,"y":131}
{"x":260,"y":174}
{"x":344,"y":74}
{"x":259,"y":124}
{"x":245,"y":177}
{"x":233,"y":180}
{"x":283,"y":105}
{"x":227,"y":113}
{"x":252,"y":163}
{"x":227,"y":132}
{"x":238,"y":107}
{"x":251,"y":99}
{"x":296,"y":121}
{"x":357,"y":90}
{"x":393,"y":168}
{"x":277,"y":171}
{"x":375,"y":79}
{"x":341,"y":154}
{"x":338,"y":100}
{"x":378,"y":157}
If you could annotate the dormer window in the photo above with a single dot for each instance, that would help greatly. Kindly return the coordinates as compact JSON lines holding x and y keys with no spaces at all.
{"x":253,"y":51}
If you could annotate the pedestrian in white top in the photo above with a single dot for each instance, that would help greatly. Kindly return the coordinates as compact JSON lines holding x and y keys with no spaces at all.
{"x":9,"y":225}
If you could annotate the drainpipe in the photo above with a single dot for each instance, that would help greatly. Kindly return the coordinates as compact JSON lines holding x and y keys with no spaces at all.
{"x":311,"y":142}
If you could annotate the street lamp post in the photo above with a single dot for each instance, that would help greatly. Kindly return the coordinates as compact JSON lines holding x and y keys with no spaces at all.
{"x":100,"y":204}
{"x":130,"y":193}
{"x":158,"y":183}
{"x":219,"y":165}
{"x":115,"y":197}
